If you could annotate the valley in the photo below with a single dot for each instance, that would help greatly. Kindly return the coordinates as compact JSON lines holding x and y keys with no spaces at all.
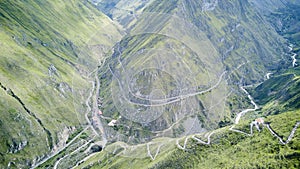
{"x":149,"y":84}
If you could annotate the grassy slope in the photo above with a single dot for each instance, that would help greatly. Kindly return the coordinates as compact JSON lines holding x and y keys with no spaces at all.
{"x":228,"y":150}
{"x":34,"y":35}
{"x":279,"y":93}
{"x":245,"y":40}
{"x":240,"y":34}
{"x":289,"y":17}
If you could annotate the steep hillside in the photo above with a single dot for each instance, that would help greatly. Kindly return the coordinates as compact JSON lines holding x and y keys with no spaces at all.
{"x":149,"y":84}
{"x":235,"y":46}
{"x":269,"y":6}
{"x":228,"y":149}
{"x":178,"y":69}
{"x":273,"y":144}
{"x":284,"y":16}
{"x":122,"y":11}
{"x":281,"y":92}
{"x":47,"y":50}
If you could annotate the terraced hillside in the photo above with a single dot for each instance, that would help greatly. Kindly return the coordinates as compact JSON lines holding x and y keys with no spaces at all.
{"x":47,"y":50}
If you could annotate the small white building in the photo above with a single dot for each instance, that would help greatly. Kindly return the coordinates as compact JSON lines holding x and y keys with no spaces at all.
{"x":112,"y":123}
{"x":260,"y":121}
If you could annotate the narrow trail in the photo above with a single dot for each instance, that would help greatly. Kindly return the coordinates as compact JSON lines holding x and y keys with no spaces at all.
{"x":202,"y":142}
{"x":240,"y":114}
{"x":171,"y":99}
{"x":144,"y":98}
{"x":73,"y":152}
{"x":63,"y":148}
{"x":237,"y":119}
{"x":294,"y":60}
{"x":178,"y":98}
{"x":156,"y":153}
{"x":207,"y":135}
{"x":92,"y":98}
{"x":279,"y":138}
{"x":184,"y":144}
{"x":268,"y":75}
{"x":94,"y":110}
{"x":267,"y":125}
{"x":89,"y":109}
{"x":58,"y":161}
{"x":83,"y":160}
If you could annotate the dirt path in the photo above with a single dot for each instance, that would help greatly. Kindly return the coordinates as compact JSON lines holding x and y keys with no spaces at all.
{"x":267,"y":125}
{"x":171,"y":99}
{"x":240,"y":114}
{"x":57,"y":162}
{"x":64,"y":147}
{"x":294,"y":60}
{"x":202,"y":142}
{"x":279,"y":138}
{"x":184,"y":144}
{"x":96,"y":124}
{"x":149,"y":152}
{"x":96,"y":110}
{"x":268,"y":75}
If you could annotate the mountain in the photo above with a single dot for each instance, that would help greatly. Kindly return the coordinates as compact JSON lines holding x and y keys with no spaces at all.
{"x":278,"y":98}
{"x":284,"y":16}
{"x":169,"y":75}
{"x":149,"y":84}
{"x":44,"y":66}
{"x":240,"y":39}
{"x":227,"y":150}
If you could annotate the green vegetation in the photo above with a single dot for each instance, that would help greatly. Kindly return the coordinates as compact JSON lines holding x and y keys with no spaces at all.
{"x":277,"y":96}
{"x":228,"y":150}
{"x":177,"y":72}
{"x":43,"y":44}
{"x":71,"y":137}
{"x":289,"y":16}
{"x":279,"y":93}
{"x":230,"y":37}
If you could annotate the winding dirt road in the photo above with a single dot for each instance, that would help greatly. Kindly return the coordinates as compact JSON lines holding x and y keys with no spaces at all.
{"x":171,"y":99}
{"x":64,"y":147}
{"x":240,"y":114}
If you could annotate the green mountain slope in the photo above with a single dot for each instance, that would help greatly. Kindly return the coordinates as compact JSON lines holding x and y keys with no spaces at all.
{"x":280,"y":92}
{"x":43,"y":89}
{"x":202,"y":50}
{"x":240,"y":34}
{"x":227,"y":150}
{"x":149,"y":84}
{"x":278,"y":98}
